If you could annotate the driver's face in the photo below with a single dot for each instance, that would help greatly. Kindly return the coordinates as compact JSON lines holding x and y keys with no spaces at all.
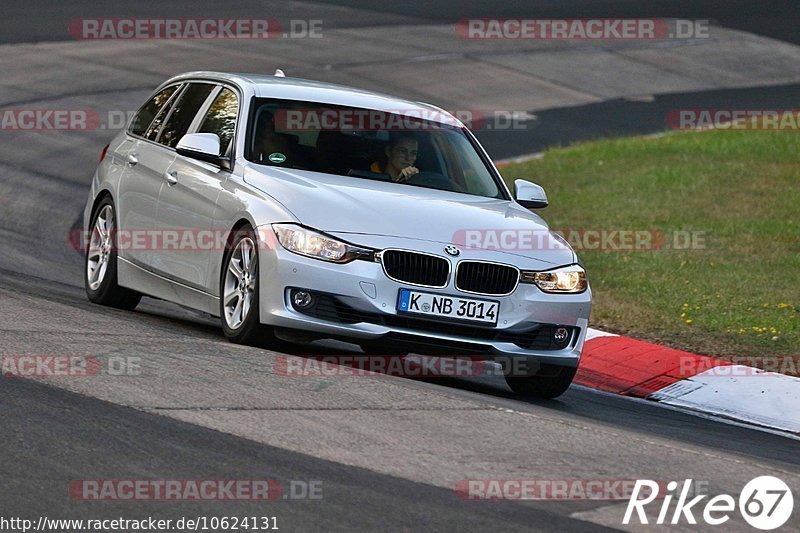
{"x":403,"y":154}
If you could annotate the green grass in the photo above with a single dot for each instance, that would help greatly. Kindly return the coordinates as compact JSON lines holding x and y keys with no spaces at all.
{"x":737,"y":295}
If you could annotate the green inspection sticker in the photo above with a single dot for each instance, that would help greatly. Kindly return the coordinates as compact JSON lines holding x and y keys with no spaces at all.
{"x":277,"y":157}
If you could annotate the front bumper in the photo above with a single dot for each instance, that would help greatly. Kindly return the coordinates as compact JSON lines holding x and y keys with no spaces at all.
{"x":363,"y":287}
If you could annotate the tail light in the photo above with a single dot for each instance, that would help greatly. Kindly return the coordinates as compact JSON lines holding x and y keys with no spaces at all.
{"x":103,"y":153}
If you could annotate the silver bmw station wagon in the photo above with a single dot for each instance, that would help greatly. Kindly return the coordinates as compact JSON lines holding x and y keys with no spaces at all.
{"x":300,"y":210}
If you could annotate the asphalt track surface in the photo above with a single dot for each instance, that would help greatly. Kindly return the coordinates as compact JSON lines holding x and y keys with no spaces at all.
{"x":52,"y":437}
{"x":387,"y":451}
{"x":36,"y":21}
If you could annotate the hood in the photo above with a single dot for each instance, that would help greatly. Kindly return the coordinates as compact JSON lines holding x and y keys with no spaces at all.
{"x":346,"y":205}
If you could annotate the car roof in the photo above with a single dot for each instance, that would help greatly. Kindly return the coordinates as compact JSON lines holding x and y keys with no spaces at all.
{"x":286,"y":88}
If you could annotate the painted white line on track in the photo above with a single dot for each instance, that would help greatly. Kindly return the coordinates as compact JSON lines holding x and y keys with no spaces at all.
{"x":742,"y":393}
{"x":696,"y":411}
{"x":592,"y":333}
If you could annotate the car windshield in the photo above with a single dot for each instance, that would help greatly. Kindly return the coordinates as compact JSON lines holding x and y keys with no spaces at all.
{"x":404,"y":147}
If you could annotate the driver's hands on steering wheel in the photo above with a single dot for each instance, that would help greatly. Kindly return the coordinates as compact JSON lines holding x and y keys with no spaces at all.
{"x":405,"y":174}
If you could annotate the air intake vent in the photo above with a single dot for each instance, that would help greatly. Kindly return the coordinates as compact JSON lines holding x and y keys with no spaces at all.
{"x":486,"y":278}
{"x":416,"y":268}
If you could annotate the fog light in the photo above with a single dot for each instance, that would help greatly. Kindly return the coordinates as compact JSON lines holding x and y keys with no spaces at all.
{"x":302,"y":299}
{"x":561,"y":335}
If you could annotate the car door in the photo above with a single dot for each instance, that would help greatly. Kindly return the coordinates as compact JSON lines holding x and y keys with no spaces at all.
{"x":141,"y":180}
{"x":188,"y":200}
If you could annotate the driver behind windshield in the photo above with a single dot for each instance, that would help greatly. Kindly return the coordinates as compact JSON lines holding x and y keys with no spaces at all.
{"x":269,"y":142}
{"x":399,"y":157}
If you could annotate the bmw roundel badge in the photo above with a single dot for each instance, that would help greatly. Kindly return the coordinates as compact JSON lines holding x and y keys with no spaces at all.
{"x":452,"y":250}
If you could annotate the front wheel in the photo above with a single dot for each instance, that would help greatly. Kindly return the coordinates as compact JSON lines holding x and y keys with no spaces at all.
{"x":551,"y":382}
{"x":239,"y":291}
{"x":100,"y":274}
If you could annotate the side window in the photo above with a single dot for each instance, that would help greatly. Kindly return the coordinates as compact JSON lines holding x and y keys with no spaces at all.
{"x":152,"y":131}
{"x":221,"y":118}
{"x":183,"y":113}
{"x":142,"y":119}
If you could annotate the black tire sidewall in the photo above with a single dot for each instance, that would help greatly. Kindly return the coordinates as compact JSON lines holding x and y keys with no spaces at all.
{"x":541,"y":386}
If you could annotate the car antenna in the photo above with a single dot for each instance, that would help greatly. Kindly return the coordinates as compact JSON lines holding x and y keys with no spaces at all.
{"x":279,"y":73}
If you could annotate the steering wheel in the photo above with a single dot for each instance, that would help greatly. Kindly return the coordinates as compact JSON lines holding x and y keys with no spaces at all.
{"x":434,"y":180}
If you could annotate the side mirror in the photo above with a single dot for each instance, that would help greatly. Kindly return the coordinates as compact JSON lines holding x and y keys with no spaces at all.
{"x":529,"y":194}
{"x":202,"y":146}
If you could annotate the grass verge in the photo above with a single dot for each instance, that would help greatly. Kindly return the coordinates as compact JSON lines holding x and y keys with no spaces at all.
{"x":735,"y":289}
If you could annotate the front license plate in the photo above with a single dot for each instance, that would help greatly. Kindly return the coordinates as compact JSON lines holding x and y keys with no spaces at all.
{"x":430,"y":304}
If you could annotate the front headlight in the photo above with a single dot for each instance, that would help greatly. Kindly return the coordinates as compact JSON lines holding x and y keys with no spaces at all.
{"x":569,"y":280}
{"x":310,"y":243}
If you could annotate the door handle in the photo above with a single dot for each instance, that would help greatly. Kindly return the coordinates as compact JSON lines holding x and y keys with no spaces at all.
{"x":133,"y":158}
{"x":171,"y":176}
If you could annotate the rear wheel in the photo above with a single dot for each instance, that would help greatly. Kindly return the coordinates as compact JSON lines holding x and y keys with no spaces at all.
{"x":100,"y":277}
{"x":239,"y":291}
{"x":551,"y":382}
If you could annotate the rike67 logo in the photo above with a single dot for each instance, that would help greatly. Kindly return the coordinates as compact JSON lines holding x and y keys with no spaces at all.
{"x":765,"y":503}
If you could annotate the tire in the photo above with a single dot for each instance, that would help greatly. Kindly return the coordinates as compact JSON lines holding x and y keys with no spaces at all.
{"x":379,"y":347}
{"x":239,"y":292}
{"x":552,"y":382}
{"x":100,"y":262}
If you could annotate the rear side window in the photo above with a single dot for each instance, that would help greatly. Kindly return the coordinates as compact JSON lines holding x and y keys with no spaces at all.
{"x":183,"y":113}
{"x":221,"y":119}
{"x":141,"y":121}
